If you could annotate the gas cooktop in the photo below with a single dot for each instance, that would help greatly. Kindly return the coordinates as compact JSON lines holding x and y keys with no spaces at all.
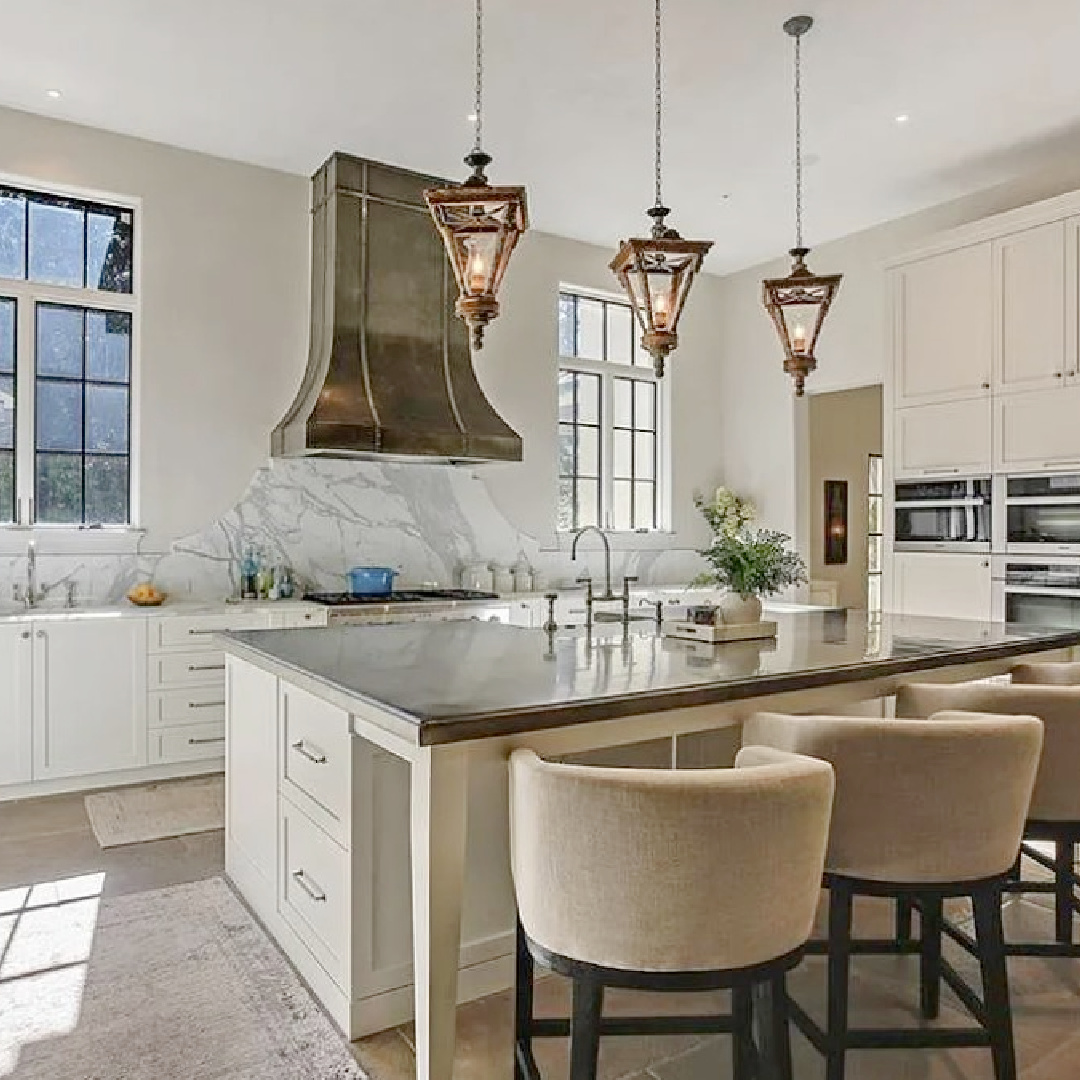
{"x":404,"y":596}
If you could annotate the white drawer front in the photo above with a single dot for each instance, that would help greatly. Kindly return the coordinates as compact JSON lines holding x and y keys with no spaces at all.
{"x":290,"y":618}
{"x":186,"y":669}
{"x":316,"y":752}
{"x":197,"y":705}
{"x":314,"y":890}
{"x":192,"y":742}
{"x":196,"y":631}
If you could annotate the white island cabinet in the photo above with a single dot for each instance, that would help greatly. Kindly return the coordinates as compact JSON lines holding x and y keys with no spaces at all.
{"x":16,"y":668}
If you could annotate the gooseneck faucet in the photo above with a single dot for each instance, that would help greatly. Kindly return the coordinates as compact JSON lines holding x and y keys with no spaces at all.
{"x":31,"y":575}
{"x":608,"y":594}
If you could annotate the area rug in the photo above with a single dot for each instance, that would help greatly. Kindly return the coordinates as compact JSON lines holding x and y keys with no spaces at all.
{"x":155,"y":811}
{"x":173,"y":984}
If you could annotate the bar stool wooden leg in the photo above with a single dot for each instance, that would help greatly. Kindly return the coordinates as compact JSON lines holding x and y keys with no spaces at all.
{"x":986,"y":903}
{"x":1063,"y":891}
{"x":774,"y":1029}
{"x":742,"y":1033}
{"x":904,"y":908}
{"x":840,"y":905}
{"x":930,"y":956}
{"x":588,"y":1005}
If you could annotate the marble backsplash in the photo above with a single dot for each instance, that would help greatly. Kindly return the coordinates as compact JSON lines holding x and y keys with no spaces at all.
{"x":322,"y":516}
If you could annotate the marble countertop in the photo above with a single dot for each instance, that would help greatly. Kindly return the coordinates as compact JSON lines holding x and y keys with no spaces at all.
{"x":463,"y":680}
{"x":15,"y":612}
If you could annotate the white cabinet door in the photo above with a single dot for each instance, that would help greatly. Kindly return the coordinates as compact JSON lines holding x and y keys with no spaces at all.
{"x":15,"y":674}
{"x":947,"y":439}
{"x":1038,"y":430}
{"x":944,"y":324}
{"x":89,"y":696}
{"x":941,"y":583}
{"x":1029,"y":277}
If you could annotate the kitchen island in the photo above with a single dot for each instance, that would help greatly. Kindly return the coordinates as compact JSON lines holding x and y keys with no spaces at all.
{"x":356,"y":756}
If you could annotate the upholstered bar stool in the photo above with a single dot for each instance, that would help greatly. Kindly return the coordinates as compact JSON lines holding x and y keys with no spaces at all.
{"x":666,"y":880}
{"x":1054,"y":814}
{"x":923,"y":811}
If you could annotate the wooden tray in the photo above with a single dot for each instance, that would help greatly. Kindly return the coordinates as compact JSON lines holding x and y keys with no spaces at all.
{"x":689,"y":631}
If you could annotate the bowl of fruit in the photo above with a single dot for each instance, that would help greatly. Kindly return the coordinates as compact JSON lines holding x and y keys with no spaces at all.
{"x":145,"y":595}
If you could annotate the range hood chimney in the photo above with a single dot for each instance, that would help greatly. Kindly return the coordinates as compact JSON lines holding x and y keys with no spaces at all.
{"x":389,"y":369}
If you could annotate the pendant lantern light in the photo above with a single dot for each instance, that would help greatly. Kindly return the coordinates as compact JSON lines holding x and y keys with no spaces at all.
{"x":657,"y":271}
{"x":479,"y":224}
{"x":799,"y":302}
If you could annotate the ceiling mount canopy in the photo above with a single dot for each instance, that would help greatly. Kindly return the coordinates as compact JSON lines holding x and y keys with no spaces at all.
{"x":799,"y":302}
{"x":657,"y":271}
{"x":480,"y":225}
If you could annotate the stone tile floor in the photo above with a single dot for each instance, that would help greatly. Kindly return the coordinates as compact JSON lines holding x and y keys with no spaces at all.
{"x":49,"y":839}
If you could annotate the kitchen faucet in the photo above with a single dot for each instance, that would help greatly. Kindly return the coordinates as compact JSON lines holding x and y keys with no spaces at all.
{"x":608,"y":594}
{"x":32,"y":593}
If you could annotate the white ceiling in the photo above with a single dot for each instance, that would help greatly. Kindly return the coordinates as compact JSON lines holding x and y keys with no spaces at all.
{"x":991,"y":87}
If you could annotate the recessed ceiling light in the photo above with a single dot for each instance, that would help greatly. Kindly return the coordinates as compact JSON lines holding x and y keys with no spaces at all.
{"x":902,"y":118}
{"x":54,"y":93}
{"x":471,"y":118}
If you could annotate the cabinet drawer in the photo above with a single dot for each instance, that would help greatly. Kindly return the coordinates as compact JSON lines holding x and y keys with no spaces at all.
{"x":313,"y":890}
{"x":192,"y":742}
{"x":1039,"y":429}
{"x":196,"y":631}
{"x":186,"y":669}
{"x":315,"y":755}
{"x":197,"y":705}
{"x":953,"y":438}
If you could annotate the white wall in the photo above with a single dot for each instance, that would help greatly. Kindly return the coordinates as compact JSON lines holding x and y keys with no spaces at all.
{"x":764,"y":428}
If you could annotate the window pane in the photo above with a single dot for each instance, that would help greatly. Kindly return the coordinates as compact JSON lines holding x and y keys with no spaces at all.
{"x":59,"y":415}
{"x":622,"y":391}
{"x":106,"y":419}
{"x":108,"y":346}
{"x":108,"y":250}
{"x":588,"y":400}
{"x":619,"y":334}
{"x":644,"y":502}
{"x":566,"y":395}
{"x":590,"y":329}
{"x":566,"y":504}
{"x":60,"y":341}
{"x":620,"y":505}
{"x":621,"y":465}
{"x":877,"y":474}
{"x":874,"y":550}
{"x":59,"y":489}
{"x":645,"y":456}
{"x":588,"y":446}
{"x":588,"y":502}
{"x":7,"y":335}
{"x":107,"y":490}
{"x":12,"y":235}
{"x":56,"y":244}
{"x":7,"y":486}
{"x":641,"y":357}
{"x":876,"y":515}
{"x":566,"y":325}
{"x":566,"y":449}
{"x":644,"y":405}
{"x":7,"y":412}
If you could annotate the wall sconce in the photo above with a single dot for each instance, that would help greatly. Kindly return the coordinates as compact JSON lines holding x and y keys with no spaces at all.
{"x":836,"y":522}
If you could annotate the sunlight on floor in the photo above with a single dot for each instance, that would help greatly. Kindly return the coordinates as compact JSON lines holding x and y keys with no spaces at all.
{"x":46,"y":934}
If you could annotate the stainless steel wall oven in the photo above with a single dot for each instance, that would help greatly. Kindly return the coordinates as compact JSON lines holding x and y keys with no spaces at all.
{"x":943,"y":515}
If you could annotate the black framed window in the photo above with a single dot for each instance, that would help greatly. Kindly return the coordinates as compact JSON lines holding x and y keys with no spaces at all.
{"x":8,"y":322}
{"x":82,"y":421}
{"x":610,"y":419}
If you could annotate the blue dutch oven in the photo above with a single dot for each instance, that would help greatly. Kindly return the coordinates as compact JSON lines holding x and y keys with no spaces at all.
{"x":371,"y":580}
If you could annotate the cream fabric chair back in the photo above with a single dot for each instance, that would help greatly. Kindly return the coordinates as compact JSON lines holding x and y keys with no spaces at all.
{"x":669,"y":870}
{"x":1048,"y":673}
{"x":1057,"y":784}
{"x":918,"y":802}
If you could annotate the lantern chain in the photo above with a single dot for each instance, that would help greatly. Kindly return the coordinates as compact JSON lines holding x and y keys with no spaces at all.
{"x":478,"y":145}
{"x":659,"y":103}
{"x":798,"y":144}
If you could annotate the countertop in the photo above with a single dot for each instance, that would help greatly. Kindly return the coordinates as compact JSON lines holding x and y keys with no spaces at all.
{"x":463,"y":680}
{"x":14,"y":612}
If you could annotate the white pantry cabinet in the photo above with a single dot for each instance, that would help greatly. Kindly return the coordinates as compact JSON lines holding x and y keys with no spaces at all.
{"x":1038,"y":430}
{"x":16,"y":665}
{"x":89,"y":696}
{"x":944,"y":309}
{"x":944,"y":583}
{"x":945,"y":439}
{"x":1030,"y":278}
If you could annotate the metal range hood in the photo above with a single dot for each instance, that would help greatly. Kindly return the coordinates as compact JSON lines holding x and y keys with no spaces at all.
{"x":389,"y":369}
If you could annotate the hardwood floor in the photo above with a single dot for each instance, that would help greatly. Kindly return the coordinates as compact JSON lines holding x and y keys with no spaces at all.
{"x":48,"y":840}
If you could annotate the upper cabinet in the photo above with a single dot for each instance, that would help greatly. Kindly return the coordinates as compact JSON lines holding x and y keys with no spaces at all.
{"x":1038,"y":430}
{"x":1031,"y":283}
{"x":944,"y":310}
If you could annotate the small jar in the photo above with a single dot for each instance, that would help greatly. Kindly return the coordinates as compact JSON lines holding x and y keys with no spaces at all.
{"x":503,"y":579}
{"x":478,"y":576}
{"x":523,"y":577}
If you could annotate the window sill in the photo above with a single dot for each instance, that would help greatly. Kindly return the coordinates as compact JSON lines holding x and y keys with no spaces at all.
{"x":71,"y":540}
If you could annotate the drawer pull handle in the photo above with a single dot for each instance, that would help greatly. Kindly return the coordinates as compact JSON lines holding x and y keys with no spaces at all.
{"x":206,"y":667}
{"x":205,"y":742}
{"x":308,"y":886}
{"x":201,"y":633}
{"x":317,"y":757}
{"x":205,"y":704}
